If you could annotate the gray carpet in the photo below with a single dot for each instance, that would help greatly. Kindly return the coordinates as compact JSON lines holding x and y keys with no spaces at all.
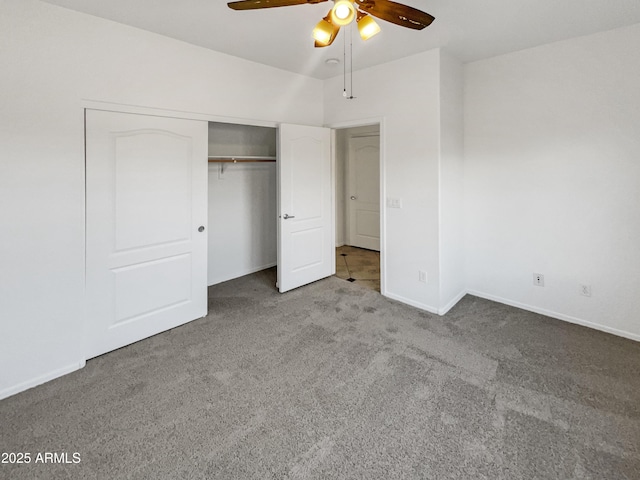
{"x":333,"y":381}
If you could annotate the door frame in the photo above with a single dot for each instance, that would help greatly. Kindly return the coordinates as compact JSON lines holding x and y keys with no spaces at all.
{"x":383,"y":182}
{"x":162,"y":112}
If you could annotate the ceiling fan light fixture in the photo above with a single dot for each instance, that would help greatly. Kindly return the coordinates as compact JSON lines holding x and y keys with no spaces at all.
{"x":343,"y":12}
{"x":367,"y":27}
{"x":325,"y":31}
{"x":322,"y":32}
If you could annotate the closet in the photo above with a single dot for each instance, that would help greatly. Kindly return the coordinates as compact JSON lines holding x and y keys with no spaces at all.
{"x":163,"y":223}
{"x":242,"y":200}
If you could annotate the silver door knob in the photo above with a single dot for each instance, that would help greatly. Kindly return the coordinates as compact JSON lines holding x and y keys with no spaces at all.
{"x":352,"y":197}
{"x":201,"y":228}
{"x":286,"y":216}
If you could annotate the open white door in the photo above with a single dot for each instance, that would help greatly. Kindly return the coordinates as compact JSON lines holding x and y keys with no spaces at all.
{"x":306,"y":223}
{"x":146,"y":267}
{"x":363,"y":203}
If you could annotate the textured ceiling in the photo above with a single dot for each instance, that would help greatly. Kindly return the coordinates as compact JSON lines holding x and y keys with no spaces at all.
{"x":281,"y":37}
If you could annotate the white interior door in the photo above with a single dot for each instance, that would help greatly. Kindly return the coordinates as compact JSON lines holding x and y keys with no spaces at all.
{"x":146,"y":266}
{"x":306,"y":223}
{"x":363,"y":187}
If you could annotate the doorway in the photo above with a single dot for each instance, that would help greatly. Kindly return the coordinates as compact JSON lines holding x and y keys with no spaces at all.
{"x":358,"y":193}
{"x":270,"y":202}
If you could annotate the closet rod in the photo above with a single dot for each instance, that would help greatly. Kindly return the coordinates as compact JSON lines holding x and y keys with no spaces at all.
{"x":240,"y":160}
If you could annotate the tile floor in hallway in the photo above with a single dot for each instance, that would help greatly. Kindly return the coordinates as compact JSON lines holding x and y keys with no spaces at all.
{"x":358,"y":265}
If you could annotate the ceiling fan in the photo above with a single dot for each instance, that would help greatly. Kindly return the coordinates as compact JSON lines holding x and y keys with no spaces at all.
{"x":344,"y":12}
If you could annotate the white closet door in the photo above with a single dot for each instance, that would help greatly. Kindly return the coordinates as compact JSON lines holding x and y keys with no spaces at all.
{"x":146,"y":258}
{"x":306,"y":223}
{"x":363,"y":204}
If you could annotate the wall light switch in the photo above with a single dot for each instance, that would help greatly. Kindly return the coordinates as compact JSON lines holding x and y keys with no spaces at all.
{"x":393,"y":202}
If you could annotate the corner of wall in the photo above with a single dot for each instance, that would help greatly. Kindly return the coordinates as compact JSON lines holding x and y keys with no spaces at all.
{"x":450,"y":180}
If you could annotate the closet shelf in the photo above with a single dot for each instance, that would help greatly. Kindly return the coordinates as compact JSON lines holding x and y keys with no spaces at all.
{"x":240,"y":159}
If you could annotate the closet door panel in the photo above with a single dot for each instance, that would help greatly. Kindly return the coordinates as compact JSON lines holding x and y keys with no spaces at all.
{"x":306,"y":223}
{"x":160,"y":212}
{"x":146,"y":201}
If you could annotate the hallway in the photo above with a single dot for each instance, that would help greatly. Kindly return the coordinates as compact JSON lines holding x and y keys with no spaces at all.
{"x":358,"y":265}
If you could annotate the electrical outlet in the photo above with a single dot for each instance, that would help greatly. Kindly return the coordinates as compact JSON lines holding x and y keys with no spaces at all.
{"x":538,"y":280}
{"x":422,"y":276}
{"x":584,"y":290}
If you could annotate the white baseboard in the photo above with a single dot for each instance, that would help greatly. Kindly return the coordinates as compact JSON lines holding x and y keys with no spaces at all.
{"x":452,"y":303}
{"x":34,"y":382}
{"x":413,"y":303}
{"x":556,"y":315}
{"x":423,"y":306}
{"x":241,"y":273}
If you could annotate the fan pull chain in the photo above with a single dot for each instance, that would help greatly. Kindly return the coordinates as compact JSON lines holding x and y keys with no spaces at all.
{"x":351,"y":60}
{"x":344,"y":65}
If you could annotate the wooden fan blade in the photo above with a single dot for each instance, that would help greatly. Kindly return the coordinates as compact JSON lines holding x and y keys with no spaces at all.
{"x":397,"y":13}
{"x":254,"y":4}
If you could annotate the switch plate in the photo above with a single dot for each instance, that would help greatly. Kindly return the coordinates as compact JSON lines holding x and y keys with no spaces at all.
{"x":393,"y":202}
{"x":422,"y":276}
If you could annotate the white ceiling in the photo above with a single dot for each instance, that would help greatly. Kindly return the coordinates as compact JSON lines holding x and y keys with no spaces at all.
{"x":281,"y":37}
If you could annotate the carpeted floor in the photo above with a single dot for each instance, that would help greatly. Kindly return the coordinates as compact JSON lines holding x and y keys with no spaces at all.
{"x":333,"y":381}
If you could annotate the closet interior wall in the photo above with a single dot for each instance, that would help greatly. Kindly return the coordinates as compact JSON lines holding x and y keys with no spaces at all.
{"x":242,"y":201}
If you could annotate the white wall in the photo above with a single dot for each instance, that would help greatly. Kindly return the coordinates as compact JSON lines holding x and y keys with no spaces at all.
{"x":242,"y":220}
{"x":552,"y":178}
{"x":452,"y":270}
{"x":52,"y":59}
{"x":406,"y":93}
